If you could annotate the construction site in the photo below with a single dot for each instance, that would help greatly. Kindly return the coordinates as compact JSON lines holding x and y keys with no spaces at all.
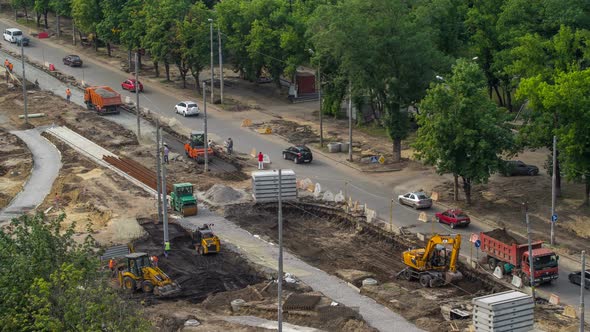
{"x":234,"y":289}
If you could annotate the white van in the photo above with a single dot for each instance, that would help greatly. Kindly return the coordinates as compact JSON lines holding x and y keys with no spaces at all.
{"x":12,"y":34}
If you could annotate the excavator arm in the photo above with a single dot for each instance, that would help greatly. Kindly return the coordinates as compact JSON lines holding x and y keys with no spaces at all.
{"x":422,"y":260}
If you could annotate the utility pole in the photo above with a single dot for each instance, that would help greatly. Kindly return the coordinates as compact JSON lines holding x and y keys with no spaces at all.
{"x":206,"y":169}
{"x":22,"y":55}
{"x":57,"y":19}
{"x":73,"y":33}
{"x":164,"y":200}
{"x":220,"y":66}
{"x":212,"y":73}
{"x":319,"y":84}
{"x":531,"y":260}
{"x":582,"y":285}
{"x":349,"y":121}
{"x":137,"y":95}
{"x":280,"y":277}
{"x":553,"y":181}
{"x":158,"y":170}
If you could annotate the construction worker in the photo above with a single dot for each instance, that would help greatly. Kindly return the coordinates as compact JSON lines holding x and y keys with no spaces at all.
{"x":68,"y":94}
{"x":166,"y":248}
{"x":10,"y":66}
{"x":229,"y":145}
{"x":6,"y":62}
{"x":155,"y":260}
{"x":260,"y":160}
{"x":112,"y":266}
{"x":166,"y":152}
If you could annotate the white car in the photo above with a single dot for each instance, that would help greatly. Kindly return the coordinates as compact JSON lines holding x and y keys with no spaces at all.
{"x":11,"y":35}
{"x":187,"y":108}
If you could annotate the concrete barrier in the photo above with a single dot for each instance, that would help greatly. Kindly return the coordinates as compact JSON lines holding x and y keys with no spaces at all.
{"x":328,"y":196}
{"x":371,"y":215}
{"x":423,"y":217}
{"x":339,"y":197}
{"x":317,"y":191}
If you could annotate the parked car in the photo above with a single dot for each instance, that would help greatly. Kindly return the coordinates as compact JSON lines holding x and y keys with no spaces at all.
{"x":12,"y":34}
{"x":187,"y":108}
{"x":72,"y":60}
{"x":417,"y":200}
{"x":517,"y":167}
{"x":298,"y":154}
{"x":453,"y":218}
{"x":575,"y":278}
{"x":130,"y":85}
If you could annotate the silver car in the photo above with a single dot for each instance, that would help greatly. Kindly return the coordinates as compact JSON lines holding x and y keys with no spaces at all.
{"x":417,"y":200}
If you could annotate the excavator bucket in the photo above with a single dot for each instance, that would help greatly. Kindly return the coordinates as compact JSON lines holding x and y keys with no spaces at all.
{"x":167,"y":290}
{"x":453,"y":276}
{"x":190,"y":210}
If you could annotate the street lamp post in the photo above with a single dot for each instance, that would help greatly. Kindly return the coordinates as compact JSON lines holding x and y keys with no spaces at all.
{"x":319,"y":79}
{"x":22,"y":54}
{"x":220,"y":65}
{"x":206,"y":144}
{"x":212,"y":74}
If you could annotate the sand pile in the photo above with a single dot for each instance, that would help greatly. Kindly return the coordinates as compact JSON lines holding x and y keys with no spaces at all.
{"x":222,"y":194}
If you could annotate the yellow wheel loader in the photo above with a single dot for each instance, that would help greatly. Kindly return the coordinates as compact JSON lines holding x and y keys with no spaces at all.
{"x":205,"y":241}
{"x":141,"y":274}
{"x":435,"y":265}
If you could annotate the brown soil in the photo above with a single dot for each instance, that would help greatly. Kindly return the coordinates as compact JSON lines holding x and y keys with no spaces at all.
{"x":15,"y":165}
{"x":331,"y":243}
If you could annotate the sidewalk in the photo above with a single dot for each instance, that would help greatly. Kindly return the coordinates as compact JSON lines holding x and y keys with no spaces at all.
{"x":46,"y":166}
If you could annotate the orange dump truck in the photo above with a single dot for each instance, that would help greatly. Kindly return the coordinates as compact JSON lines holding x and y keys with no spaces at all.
{"x":102,"y":99}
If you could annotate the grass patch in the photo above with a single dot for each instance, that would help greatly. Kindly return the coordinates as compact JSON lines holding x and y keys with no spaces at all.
{"x":374,"y":130}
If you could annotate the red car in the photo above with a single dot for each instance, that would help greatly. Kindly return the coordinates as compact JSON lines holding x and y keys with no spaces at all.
{"x":130,"y":85}
{"x":453,"y":217}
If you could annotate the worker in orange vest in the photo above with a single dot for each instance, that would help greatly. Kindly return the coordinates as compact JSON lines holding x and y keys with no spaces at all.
{"x":6,"y":62}
{"x":155,"y":260}
{"x":112,"y":266}
{"x":68,"y":94}
{"x":10,"y":66}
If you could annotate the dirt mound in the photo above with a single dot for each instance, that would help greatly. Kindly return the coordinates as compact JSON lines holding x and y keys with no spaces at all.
{"x":501,"y":234}
{"x":222,"y":194}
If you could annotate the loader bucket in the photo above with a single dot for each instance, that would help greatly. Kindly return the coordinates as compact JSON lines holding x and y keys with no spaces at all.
{"x":453,"y":277}
{"x":190,"y":210}
{"x":167,"y":290}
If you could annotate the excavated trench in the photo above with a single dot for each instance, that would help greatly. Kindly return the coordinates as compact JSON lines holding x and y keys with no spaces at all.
{"x":199,"y":276}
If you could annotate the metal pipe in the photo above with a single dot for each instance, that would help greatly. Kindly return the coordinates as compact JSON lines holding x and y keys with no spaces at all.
{"x":531,"y":260}
{"x":22,"y":54}
{"x":280,"y":277}
{"x":553,"y":182}
{"x":349,"y":121}
{"x":206,"y":168}
{"x":220,"y":66}
{"x":211,"y":47}
{"x":582,"y":285}
{"x":158,"y":170}
{"x":137,"y":95}
{"x":164,"y":202}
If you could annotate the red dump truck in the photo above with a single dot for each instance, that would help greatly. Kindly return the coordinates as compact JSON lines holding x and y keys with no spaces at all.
{"x":511,"y":254}
{"x":102,"y":99}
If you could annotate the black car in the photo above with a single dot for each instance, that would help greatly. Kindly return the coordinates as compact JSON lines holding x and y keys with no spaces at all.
{"x":517,"y":167}
{"x":574,"y":278}
{"x":72,"y":61}
{"x":298,"y":154}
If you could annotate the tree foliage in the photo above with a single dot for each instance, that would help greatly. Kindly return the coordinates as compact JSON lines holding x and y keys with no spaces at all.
{"x":462,"y":131}
{"x":49,"y":282}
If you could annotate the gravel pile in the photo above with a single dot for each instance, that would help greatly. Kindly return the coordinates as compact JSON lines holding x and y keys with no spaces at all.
{"x":221,"y":194}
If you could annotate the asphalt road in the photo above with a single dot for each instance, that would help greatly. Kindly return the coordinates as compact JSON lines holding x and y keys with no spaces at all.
{"x":332,"y":175}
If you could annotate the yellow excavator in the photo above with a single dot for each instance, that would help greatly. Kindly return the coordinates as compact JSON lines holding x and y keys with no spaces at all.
{"x":140,"y":273}
{"x":435,"y":265}
{"x":205,"y":241}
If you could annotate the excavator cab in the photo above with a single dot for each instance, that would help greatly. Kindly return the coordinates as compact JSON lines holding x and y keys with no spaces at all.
{"x":140,"y":273}
{"x":435,"y":265}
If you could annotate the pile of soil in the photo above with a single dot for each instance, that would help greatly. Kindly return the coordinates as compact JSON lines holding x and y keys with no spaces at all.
{"x":199,"y":276}
{"x":294,"y":132}
{"x":222,"y":194}
{"x":15,"y":166}
{"x":501,"y":234}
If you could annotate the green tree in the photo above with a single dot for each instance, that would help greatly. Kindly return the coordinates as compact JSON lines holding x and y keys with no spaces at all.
{"x":87,"y":14}
{"x":388,"y":56}
{"x":50,"y":282}
{"x":462,"y":131}
{"x":24,"y":4}
{"x":133,"y":23}
{"x":42,"y":8}
{"x":562,"y":108}
{"x":193,"y":35}
{"x":61,"y":8}
{"x":109,"y":28}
